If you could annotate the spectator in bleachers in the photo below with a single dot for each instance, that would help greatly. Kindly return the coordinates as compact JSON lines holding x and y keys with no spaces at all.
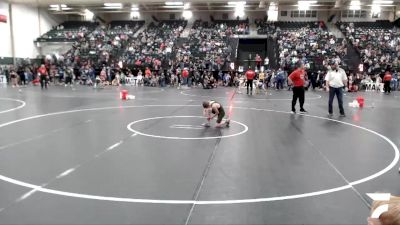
{"x":258,"y":61}
{"x":307,"y":44}
{"x":377,"y":43}
{"x":395,"y":81}
{"x":43,"y":76}
{"x":387,"y":78}
{"x":14,"y":78}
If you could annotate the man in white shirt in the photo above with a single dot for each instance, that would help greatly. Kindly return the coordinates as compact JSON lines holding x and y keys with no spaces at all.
{"x":336,"y":80}
{"x":266,"y":62}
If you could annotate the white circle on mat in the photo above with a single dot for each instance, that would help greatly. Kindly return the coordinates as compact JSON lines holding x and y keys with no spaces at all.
{"x":22,"y":105}
{"x":183,"y":138}
{"x":200,"y":202}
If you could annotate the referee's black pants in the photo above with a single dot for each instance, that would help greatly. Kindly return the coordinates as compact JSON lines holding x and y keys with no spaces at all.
{"x":386,"y":86}
{"x":43,"y":81}
{"x":249,"y":83}
{"x":298,"y":93}
{"x":339,"y":94}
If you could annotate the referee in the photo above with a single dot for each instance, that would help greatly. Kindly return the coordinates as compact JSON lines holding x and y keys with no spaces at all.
{"x":297,"y":78}
{"x":250,"y":74}
{"x":336,"y":80}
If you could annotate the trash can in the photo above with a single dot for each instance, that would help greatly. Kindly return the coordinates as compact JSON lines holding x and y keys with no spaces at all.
{"x":360,"y":101}
{"x":123,"y":94}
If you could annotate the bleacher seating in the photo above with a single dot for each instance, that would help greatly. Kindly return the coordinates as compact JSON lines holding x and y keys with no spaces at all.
{"x":206,"y":41}
{"x":155,"y":44}
{"x":376,"y":42}
{"x":68,"y":31}
{"x":309,"y":42}
{"x":105,"y":44}
{"x":265,"y":27}
{"x":237,"y":27}
{"x":120,"y":24}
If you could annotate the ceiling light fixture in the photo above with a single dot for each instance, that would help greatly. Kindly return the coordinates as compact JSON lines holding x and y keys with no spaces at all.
{"x":273,"y":6}
{"x":355,"y":5}
{"x":187,"y":14}
{"x":376,"y":9}
{"x":305,"y":5}
{"x":186,"y":6}
{"x":307,"y":2}
{"x":135,"y":14}
{"x":173,"y":3}
{"x":88,"y":14}
{"x":113,"y":5}
{"x":382,"y":2}
{"x":173,"y":6}
{"x":237,"y":3}
{"x":239,"y":9}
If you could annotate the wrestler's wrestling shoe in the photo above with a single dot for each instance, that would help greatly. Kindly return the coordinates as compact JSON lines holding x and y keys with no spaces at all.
{"x":227,"y":123}
{"x":206,"y":125}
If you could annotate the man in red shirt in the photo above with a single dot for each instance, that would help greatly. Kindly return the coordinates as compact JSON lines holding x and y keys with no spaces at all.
{"x":296,"y":78}
{"x":258,"y":61}
{"x":386,"y":82}
{"x":185,"y":75}
{"x":250,"y":74}
{"x":147,"y":72}
{"x":43,"y":76}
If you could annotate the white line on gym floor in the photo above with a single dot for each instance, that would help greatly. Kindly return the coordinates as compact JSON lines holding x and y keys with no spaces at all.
{"x":15,"y":100}
{"x":212,"y":202}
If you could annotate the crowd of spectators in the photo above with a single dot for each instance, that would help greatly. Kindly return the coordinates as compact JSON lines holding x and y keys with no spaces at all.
{"x":312,"y":45}
{"x":207,"y":46}
{"x":232,"y":27}
{"x":157,"y":56}
{"x":68,"y":31}
{"x":265,"y":27}
{"x":308,"y":42}
{"x":103,"y":44}
{"x":378,"y":44}
{"x":155,"y":45}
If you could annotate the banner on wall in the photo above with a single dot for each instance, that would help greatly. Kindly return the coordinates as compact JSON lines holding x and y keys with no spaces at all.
{"x":3,"y":18}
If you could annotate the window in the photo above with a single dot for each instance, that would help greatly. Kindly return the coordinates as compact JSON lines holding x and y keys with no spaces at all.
{"x":303,"y":13}
{"x":224,"y":16}
{"x":364,"y":14}
{"x":172,"y":16}
{"x":354,"y":14}
{"x":283,"y":13}
{"x":314,"y":14}
{"x":376,"y":15}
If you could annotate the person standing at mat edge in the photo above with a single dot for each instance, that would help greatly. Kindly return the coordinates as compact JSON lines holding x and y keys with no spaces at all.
{"x":212,"y":109}
{"x":250,"y":74}
{"x":43,"y":76}
{"x":387,"y":79}
{"x":296,"y":78}
{"x":336,"y":80}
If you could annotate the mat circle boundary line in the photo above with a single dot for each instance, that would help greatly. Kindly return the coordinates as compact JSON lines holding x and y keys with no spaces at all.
{"x":202,"y":202}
